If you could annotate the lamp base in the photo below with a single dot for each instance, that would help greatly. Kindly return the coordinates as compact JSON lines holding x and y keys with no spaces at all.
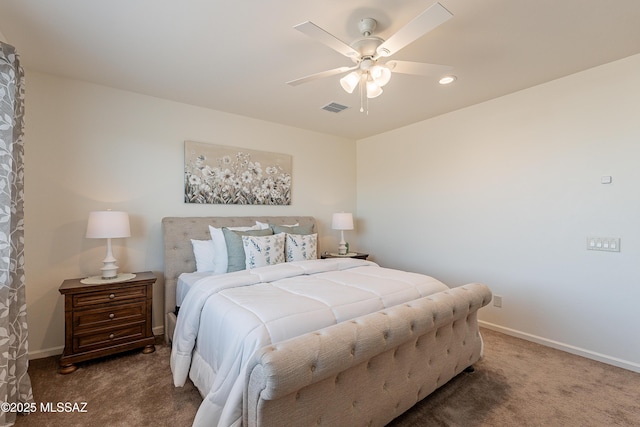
{"x":98,"y":280}
{"x":110,"y":269}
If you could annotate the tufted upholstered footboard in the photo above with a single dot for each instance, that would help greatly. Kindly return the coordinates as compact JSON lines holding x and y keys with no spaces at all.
{"x":369,"y":370}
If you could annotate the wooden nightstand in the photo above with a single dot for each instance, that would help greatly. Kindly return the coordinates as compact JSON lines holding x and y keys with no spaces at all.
{"x":358,"y":255}
{"x":105,"y":319}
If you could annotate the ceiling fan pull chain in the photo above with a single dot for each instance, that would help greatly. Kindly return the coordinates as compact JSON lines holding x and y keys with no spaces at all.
{"x":363,"y":83}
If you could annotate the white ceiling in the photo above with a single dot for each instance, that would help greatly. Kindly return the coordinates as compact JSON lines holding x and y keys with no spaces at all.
{"x":236,"y":56}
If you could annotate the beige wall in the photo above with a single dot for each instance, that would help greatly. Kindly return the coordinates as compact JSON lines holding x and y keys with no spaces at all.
{"x":506,"y":193}
{"x":89,"y":147}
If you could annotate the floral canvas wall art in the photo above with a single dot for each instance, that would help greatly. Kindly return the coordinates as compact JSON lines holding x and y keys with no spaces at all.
{"x":219,"y":174}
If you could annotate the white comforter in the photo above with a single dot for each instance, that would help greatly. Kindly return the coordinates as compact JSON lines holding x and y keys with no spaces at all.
{"x":228,"y":317}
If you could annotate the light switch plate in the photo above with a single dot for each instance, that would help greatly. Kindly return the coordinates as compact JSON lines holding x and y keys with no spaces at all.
{"x":608,"y":244}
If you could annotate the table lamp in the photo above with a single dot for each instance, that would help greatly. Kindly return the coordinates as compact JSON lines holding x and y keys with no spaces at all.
{"x":108,"y":225}
{"x":342,"y":221}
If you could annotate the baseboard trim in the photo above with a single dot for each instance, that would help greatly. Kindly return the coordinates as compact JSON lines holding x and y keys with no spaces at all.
{"x":48,"y":352}
{"x":610,"y":360}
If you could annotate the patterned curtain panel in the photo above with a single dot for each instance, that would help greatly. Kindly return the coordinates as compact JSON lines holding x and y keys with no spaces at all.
{"x":15,"y":385}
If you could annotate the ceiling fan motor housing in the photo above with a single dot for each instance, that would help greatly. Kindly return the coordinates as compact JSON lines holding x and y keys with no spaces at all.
{"x":366,"y":47}
{"x":368,"y":44}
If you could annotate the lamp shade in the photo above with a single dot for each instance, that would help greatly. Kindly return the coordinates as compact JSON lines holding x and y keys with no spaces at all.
{"x":350,"y":81}
{"x":380,"y":74}
{"x":342,"y":221}
{"x":108,"y":224}
{"x":373,"y":90}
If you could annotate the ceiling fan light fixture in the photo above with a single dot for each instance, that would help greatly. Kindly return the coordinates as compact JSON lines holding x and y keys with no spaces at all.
{"x":373,"y":90}
{"x":380,"y":74}
{"x":447,"y":80}
{"x":350,"y":81}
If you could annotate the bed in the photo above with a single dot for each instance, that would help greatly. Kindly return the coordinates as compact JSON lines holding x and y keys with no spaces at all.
{"x":331,"y":342}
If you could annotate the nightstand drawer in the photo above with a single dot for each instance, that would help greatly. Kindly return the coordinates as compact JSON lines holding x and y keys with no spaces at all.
{"x":110,"y":296}
{"x":103,"y":317}
{"x":107,"y":337}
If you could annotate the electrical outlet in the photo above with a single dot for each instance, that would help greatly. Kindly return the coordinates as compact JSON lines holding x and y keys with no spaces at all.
{"x":497,"y":301}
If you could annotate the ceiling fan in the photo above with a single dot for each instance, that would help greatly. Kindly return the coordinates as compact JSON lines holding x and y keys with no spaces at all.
{"x":369,"y":53}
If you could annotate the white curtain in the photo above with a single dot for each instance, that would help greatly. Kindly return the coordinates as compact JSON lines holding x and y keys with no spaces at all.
{"x":15,"y":385}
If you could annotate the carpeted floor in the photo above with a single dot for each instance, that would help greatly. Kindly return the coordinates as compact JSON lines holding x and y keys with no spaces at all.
{"x":518,"y":383}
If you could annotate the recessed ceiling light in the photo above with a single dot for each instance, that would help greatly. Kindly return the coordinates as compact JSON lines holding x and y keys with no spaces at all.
{"x":447,"y":80}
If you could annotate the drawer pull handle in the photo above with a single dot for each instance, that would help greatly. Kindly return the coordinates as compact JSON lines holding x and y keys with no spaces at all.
{"x":112,"y":296}
{"x":111,"y":315}
{"x":111,"y":336}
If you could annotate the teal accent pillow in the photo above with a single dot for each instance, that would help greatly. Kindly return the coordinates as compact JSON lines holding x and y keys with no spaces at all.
{"x":296,"y":229}
{"x":235,"y":250}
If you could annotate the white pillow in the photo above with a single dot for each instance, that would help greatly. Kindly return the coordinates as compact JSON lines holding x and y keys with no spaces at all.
{"x":261,"y":251}
{"x":204,"y":253}
{"x":264,"y":225}
{"x":221,"y":257}
{"x":300,"y":247}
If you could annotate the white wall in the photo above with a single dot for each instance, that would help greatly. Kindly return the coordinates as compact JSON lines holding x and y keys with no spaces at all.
{"x":89,"y":147}
{"x":506,"y":193}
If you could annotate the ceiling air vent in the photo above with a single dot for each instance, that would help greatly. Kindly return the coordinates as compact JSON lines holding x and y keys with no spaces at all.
{"x":334,"y":107}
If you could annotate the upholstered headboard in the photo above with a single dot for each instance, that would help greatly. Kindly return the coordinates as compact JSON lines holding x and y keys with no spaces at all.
{"x":178,"y":251}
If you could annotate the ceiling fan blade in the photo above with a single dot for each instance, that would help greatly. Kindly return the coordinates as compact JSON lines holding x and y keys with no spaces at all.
{"x":417,"y":68}
{"x":312,"y":30}
{"x":320,"y":75}
{"x":419,"y":26}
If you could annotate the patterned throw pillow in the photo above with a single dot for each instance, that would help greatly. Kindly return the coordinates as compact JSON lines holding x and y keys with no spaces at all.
{"x":263,"y":250}
{"x":300,"y":247}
